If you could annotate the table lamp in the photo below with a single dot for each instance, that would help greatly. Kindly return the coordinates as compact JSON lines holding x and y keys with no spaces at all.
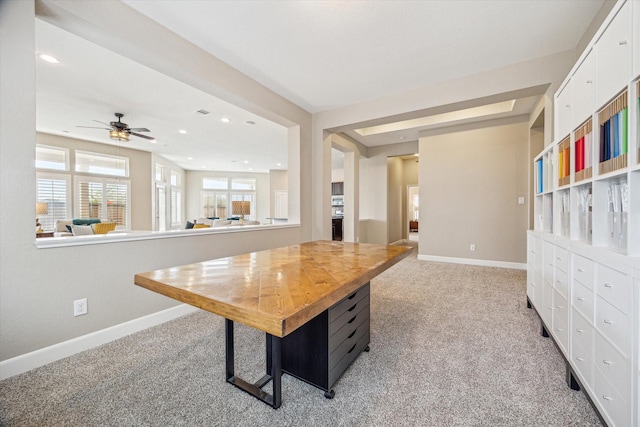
{"x":241,"y":208}
{"x":41,"y":209}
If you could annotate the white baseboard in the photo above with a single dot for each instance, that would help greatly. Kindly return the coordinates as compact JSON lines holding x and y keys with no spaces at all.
{"x":43,"y":356}
{"x":470,"y":261}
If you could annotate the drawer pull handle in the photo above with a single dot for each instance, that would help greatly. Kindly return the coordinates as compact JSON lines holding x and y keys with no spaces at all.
{"x":559,"y":306}
{"x":558,"y":258}
{"x":579,"y":359}
{"x":352,"y":296}
{"x":580,"y":298}
{"x":608,"y":285}
{"x":608,"y":322}
{"x":558,"y":329}
{"x":353,"y":308}
{"x":352,"y":333}
{"x":605,"y":397}
{"x":580,"y":270}
{"x":579,"y":331}
{"x":622,"y":42}
{"x":607,"y":362}
{"x":351,"y":349}
{"x":354,"y":318}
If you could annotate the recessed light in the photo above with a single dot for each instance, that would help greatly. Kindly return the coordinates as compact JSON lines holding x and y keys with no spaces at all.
{"x":182,"y":131}
{"x":48,"y":58}
{"x":250,"y":169}
{"x":278,"y":164}
{"x":246,"y":162}
{"x":189,"y":158}
{"x":153,"y":141}
{"x":225,"y":120}
{"x":249,"y":122}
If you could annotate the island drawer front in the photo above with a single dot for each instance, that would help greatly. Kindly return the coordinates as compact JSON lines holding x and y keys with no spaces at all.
{"x":582,"y":331}
{"x":350,"y":315}
{"x":360,"y":321}
{"x":614,"y":366}
{"x":615,"y":325}
{"x":347,"y":303}
{"x":582,"y":361}
{"x":338,"y":365}
{"x":583,"y":270}
{"x":340,"y":348}
{"x":615,"y":287}
{"x":562,"y":283}
{"x":562,"y":259}
{"x":583,"y":300}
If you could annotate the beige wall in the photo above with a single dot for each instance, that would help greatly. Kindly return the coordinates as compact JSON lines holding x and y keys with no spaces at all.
{"x":139,"y":169}
{"x":394,"y":199}
{"x":278,"y":181}
{"x":470,"y":181}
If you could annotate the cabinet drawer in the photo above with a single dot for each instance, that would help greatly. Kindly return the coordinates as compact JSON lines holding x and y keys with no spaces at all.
{"x":583,"y":271}
{"x":338,"y":366}
{"x":546,"y":310}
{"x":349,"y":330}
{"x":581,"y":359}
{"x":616,"y":408}
{"x":614,"y":325}
{"x":561,"y":283}
{"x":548,"y":265}
{"x":348,"y":303}
{"x":353,"y":314}
{"x":560,"y":322}
{"x":613,"y":365}
{"x":614,"y":287}
{"x":561,"y":259}
{"x":582,"y":300}
{"x":581,"y":331}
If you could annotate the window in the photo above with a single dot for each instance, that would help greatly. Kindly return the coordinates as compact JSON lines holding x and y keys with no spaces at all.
{"x":53,"y":189}
{"x":176,"y":203}
{"x":217,"y":183}
{"x":218,"y":191}
{"x":175,"y":179}
{"x":104,"y":199}
{"x":53,"y":158}
{"x":159,"y":172}
{"x":101,"y":164}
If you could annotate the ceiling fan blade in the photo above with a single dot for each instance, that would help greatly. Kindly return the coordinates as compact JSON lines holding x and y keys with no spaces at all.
{"x":139,"y":129}
{"x":93,"y":127}
{"x":142,"y":136}
{"x":106,"y":124}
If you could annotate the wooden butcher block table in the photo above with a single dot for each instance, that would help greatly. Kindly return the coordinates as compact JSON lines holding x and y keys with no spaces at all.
{"x":311,"y":299}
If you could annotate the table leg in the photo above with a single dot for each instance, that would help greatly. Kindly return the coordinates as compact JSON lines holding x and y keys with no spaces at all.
{"x":274,"y":369}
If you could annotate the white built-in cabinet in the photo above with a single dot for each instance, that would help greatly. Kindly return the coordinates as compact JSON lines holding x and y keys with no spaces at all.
{"x":584,"y":252}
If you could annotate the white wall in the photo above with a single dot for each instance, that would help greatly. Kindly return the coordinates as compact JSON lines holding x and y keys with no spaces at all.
{"x":38,"y":286}
{"x":278,"y":181}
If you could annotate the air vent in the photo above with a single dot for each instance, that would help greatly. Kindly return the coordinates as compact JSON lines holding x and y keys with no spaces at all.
{"x":203,"y":112}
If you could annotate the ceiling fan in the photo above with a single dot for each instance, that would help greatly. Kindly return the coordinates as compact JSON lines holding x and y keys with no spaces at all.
{"x":120,"y":131}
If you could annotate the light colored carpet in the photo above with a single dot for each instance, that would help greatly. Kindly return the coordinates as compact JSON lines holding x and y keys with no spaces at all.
{"x":450,"y":345}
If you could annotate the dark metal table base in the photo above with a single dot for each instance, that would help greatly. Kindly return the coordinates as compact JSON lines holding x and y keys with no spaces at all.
{"x":273,"y":368}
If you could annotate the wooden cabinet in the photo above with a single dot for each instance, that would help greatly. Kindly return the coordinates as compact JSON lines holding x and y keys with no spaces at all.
{"x":320,"y":351}
{"x":413,"y":226}
{"x":336,"y":228}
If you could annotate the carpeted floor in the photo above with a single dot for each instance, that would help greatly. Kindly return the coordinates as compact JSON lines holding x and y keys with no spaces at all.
{"x":450,"y":345}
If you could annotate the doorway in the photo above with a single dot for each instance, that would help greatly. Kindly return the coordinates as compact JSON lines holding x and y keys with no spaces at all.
{"x":413,"y":211}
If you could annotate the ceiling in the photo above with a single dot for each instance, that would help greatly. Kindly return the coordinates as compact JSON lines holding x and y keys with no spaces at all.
{"x":318,"y":54}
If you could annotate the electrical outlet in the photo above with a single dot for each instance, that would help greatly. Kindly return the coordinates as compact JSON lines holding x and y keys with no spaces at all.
{"x":521,"y":200}
{"x":472,"y":247}
{"x":80,"y":307}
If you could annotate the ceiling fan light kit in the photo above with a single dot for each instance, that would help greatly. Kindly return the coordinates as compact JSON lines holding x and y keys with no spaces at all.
{"x":118,"y":135}
{"x":120,"y":131}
